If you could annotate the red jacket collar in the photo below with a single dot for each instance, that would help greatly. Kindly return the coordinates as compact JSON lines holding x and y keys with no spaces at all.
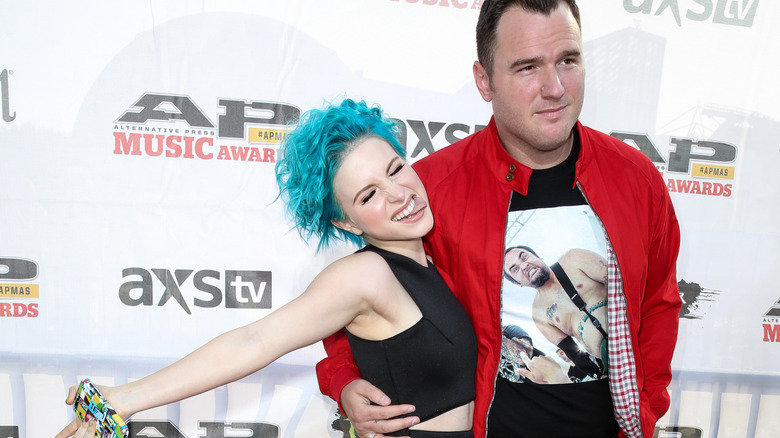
{"x":511,"y":172}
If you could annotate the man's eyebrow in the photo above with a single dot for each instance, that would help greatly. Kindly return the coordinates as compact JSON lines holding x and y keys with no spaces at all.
{"x":524,"y":61}
{"x":573,"y":53}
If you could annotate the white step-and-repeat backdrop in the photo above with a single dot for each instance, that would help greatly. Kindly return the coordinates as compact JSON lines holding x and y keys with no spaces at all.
{"x":137,"y":213}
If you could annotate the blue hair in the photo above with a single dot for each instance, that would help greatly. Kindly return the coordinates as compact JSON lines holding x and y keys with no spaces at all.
{"x":311,"y":154}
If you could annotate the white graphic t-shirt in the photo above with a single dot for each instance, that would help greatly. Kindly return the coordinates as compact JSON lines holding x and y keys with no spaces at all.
{"x":554,"y":324}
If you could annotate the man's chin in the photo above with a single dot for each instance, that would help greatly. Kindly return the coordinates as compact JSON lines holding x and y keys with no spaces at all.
{"x":540,"y":279}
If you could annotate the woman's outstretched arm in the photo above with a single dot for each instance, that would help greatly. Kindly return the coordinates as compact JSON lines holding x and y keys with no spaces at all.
{"x":331,"y":302}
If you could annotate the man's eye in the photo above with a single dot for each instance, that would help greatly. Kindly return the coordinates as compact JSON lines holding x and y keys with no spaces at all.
{"x":574,"y":60}
{"x":368,"y":197}
{"x":397,"y":169}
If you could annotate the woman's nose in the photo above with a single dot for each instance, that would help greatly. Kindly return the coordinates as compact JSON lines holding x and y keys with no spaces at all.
{"x":395,"y":192}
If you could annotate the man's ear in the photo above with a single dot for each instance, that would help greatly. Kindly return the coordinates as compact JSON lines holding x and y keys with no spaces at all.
{"x":482,"y":80}
{"x":347,"y":226}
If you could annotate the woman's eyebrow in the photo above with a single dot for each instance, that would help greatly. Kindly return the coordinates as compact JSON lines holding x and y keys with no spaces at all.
{"x":391,"y":164}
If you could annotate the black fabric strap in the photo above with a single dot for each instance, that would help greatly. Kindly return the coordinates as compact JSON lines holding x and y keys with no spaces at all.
{"x":575,"y":297}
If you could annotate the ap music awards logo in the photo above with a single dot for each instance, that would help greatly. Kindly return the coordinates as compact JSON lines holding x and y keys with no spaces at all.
{"x":173,"y":126}
{"x":730,"y":12}
{"x":771,"y":323}
{"x":18,"y":294}
{"x":219,"y":429}
{"x":211,"y":429}
{"x":694,"y":166}
{"x":455,"y":4}
{"x":205,"y":289}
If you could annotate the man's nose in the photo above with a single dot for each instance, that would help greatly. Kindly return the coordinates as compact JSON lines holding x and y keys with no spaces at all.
{"x":551,"y":84}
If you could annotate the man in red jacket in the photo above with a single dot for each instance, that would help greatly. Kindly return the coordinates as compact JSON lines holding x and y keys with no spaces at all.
{"x":536,"y":173}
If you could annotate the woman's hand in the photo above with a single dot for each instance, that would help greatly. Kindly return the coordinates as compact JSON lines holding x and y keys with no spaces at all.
{"x":87,"y":429}
{"x":79,"y":429}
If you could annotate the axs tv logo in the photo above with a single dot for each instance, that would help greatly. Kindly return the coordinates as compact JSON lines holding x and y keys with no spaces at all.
{"x":240,"y":289}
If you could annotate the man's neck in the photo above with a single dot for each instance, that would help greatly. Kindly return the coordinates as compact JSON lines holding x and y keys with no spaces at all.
{"x":550,"y":288}
{"x":539,"y":159}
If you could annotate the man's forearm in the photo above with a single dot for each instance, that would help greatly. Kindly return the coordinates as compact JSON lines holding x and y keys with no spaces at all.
{"x":338,"y":369}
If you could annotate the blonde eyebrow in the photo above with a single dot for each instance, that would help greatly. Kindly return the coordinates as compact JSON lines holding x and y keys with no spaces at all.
{"x":391,"y":163}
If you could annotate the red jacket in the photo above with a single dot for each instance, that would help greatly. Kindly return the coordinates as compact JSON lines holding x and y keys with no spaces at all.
{"x":469,"y":185}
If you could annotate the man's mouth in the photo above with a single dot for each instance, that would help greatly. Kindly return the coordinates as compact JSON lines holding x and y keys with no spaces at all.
{"x":552,"y":112}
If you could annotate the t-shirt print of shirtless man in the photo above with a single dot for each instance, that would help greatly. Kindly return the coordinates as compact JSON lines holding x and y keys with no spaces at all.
{"x":568,"y":308}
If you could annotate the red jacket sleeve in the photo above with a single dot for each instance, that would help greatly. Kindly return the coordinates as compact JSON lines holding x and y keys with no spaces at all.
{"x":660,"y":315}
{"x":338,"y":369}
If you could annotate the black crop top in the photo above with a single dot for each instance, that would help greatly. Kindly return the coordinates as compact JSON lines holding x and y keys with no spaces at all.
{"x":431,"y":364}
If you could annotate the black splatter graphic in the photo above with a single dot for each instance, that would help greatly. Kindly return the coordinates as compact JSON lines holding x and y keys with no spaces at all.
{"x":695,"y":299}
{"x":343,"y":425}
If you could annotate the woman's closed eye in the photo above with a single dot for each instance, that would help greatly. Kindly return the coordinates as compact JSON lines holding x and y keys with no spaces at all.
{"x":368,"y":196}
{"x":397,"y":169}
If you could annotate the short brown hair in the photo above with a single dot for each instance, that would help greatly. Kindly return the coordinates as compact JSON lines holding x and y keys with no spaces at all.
{"x":490,"y":14}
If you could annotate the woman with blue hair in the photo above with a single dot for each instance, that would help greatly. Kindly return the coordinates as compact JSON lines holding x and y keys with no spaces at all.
{"x":342,"y":176}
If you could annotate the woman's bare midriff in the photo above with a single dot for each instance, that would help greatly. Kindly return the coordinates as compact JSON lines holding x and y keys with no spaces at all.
{"x":453,"y":420}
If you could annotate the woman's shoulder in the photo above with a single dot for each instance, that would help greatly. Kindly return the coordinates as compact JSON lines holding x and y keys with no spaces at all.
{"x":358,"y":270}
{"x":360,"y":258}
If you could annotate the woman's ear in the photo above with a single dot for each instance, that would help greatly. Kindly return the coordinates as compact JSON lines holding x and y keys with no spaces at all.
{"x":347,"y":226}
